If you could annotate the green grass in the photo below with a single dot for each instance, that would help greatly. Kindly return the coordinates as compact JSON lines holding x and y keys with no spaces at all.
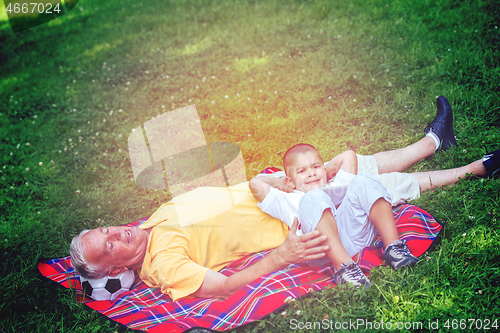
{"x":359,"y":75}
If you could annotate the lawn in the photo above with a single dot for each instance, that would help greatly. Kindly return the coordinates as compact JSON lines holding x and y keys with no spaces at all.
{"x":361,"y":75}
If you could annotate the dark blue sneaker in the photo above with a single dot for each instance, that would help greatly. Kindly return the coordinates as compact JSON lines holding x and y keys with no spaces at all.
{"x":442,"y":125}
{"x":398,"y":255}
{"x":351,"y":273}
{"x":491,"y":162}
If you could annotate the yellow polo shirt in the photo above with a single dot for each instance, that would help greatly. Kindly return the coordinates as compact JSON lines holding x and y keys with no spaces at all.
{"x":206,"y":228}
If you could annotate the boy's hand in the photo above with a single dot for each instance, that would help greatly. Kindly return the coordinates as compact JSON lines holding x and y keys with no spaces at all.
{"x":260,"y":186}
{"x":297,"y":249}
{"x":347,"y":161}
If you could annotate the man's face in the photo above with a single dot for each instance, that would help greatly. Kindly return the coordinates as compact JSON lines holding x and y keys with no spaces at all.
{"x":115,"y":247}
{"x":307,"y":172}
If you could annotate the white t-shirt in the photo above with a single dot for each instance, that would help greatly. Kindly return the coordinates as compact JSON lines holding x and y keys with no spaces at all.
{"x":285,"y":206}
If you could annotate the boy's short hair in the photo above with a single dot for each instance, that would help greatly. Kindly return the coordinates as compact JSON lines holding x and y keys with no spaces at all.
{"x":294,"y":151}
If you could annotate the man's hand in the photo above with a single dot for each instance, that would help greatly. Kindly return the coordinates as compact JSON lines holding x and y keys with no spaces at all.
{"x":294,"y":249}
{"x":297,"y":249}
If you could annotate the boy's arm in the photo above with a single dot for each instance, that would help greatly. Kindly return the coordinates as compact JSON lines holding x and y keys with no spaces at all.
{"x":347,"y":161}
{"x":260,"y":186}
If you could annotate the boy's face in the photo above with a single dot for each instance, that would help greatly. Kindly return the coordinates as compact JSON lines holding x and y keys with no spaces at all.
{"x":306,"y":172}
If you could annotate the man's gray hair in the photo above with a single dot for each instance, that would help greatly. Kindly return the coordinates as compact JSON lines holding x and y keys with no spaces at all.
{"x":80,"y":264}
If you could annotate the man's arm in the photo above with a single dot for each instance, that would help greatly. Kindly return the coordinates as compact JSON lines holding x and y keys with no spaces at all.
{"x":295,"y":249}
{"x":260,"y":186}
{"x":347,"y":161}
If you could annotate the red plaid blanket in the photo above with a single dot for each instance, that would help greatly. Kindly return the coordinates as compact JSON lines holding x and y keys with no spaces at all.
{"x":148,"y":309}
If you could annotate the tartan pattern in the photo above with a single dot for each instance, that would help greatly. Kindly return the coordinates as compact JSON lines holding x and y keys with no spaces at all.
{"x":148,"y":309}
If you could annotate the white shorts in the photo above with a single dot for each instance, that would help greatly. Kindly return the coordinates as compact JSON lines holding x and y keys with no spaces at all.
{"x":401,"y":186}
{"x":355,"y":229}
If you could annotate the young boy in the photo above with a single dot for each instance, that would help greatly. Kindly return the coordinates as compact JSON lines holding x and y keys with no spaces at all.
{"x":349,"y":227}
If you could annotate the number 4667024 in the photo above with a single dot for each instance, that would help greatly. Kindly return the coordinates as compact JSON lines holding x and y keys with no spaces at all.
{"x":32,"y":7}
{"x":471,"y":324}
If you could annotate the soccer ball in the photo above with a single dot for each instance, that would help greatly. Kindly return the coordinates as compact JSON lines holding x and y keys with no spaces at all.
{"x":109,"y":287}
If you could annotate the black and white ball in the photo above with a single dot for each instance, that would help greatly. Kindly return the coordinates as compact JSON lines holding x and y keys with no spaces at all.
{"x":109,"y":287}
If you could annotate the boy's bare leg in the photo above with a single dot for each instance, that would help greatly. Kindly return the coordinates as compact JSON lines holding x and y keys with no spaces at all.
{"x":400,"y":159}
{"x":328,"y":226}
{"x":383,"y":219}
{"x":429,"y":180}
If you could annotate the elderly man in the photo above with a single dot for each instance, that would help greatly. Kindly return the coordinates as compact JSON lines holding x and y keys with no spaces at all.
{"x":184,"y":244}
{"x":181,"y":253}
